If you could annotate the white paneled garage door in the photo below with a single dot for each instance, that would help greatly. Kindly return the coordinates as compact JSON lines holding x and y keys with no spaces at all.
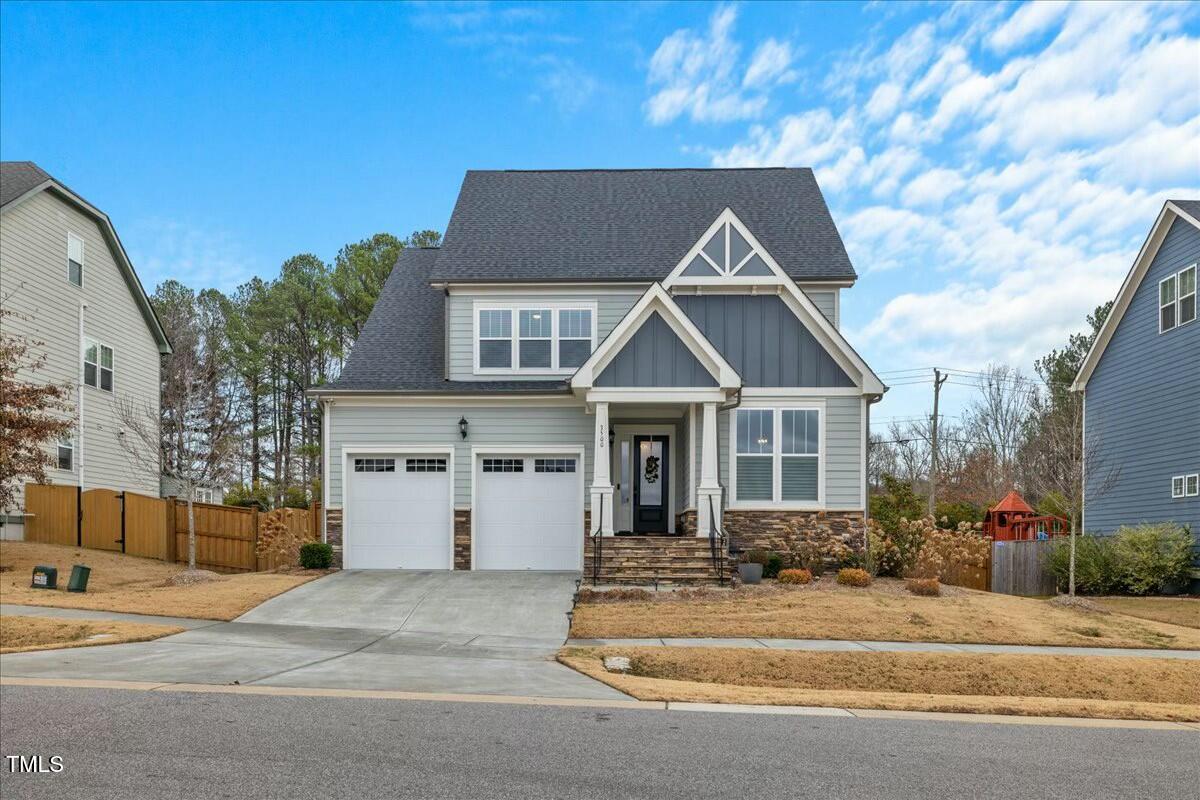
{"x":398,"y":513}
{"x":528,"y":512}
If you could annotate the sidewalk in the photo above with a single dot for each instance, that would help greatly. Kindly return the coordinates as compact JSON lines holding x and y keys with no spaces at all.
{"x":118,"y":616}
{"x":837,"y":645}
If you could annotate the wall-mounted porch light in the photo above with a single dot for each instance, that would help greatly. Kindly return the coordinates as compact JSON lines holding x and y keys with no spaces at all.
{"x":462,"y":426}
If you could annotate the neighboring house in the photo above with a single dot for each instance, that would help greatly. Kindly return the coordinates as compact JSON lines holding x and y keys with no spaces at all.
{"x":1141,"y":385}
{"x":603,"y":351}
{"x":70,"y":286}
{"x":170,"y":486}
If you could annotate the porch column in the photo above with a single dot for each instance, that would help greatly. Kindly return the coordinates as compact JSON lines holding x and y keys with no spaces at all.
{"x":602,"y":488}
{"x":708,"y":493}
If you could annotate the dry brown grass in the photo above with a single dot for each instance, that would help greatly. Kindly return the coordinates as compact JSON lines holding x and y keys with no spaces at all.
{"x":135,"y":585}
{"x":1078,"y":686}
{"x":884,"y":611}
{"x":19,"y":634}
{"x":1173,"y":610}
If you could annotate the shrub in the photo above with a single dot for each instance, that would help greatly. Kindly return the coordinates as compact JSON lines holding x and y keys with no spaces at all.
{"x":894,"y":551}
{"x":771,"y":562}
{"x":276,"y":539}
{"x":926,"y":587}
{"x":809,"y":556}
{"x":256,"y":496}
{"x":897,"y":501}
{"x":795,"y":576}
{"x":951,"y":556}
{"x":951,"y":515}
{"x":853,"y":577}
{"x":1153,"y":557}
{"x":316,"y":555}
{"x":1096,"y":567}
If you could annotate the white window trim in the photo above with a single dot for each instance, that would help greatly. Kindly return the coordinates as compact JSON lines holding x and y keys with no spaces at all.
{"x":515,"y":308}
{"x":87,"y":340}
{"x":82,"y":255}
{"x":1181,"y":482}
{"x":1179,"y":295}
{"x":777,"y":457}
{"x":65,"y":443}
{"x":1177,"y":277}
{"x":1194,"y":477}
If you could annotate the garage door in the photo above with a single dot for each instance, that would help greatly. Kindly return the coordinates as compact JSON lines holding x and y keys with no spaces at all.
{"x":398,"y":512}
{"x":528,"y":512}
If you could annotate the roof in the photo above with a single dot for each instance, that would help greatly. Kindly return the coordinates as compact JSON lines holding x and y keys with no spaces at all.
{"x":20,"y":179}
{"x":612,"y":225}
{"x":1187,"y":210}
{"x":1013,"y":502}
{"x":401,"y":348}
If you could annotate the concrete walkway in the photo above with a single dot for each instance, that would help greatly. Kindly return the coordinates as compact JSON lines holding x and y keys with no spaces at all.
{"x":844,"y":646}
{"x":466,"y":632}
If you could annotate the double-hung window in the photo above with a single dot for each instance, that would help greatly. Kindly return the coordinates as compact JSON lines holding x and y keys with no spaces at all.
{"x":97,"y":365}
{"x":66,"y":453}
{"x":777,"y":456}
{"x":1177,"y":299}
{"x":74,"y":259}
{"x":554,"y":338}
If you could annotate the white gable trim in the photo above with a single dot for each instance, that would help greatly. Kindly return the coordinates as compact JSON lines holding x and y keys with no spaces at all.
{"x":656,"y":299}
{"x":1141,"y":265}
{"x":726,"y":217}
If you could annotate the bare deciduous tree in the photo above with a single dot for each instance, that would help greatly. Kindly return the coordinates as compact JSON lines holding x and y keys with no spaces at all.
{"x":998,"y":421}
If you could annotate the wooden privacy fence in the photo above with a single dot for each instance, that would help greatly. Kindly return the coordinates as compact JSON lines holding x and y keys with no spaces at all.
{"x":1019,"y":567}
{"x":150,"y":527}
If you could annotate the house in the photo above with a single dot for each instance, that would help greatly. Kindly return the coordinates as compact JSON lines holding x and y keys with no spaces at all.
{"x":1141,"y":387}
{"x":171,"y":486}
{"x":648,"y":352}
{"x":69,"y":283}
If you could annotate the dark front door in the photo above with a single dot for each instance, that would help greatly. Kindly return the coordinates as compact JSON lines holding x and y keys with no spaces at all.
{"x":651,"y":484}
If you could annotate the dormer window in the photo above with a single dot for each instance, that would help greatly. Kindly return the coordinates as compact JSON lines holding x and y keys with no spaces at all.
{"x":1177,"y":299}
{"x":546,"y":339}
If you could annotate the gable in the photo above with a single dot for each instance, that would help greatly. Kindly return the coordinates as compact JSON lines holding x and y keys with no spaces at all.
{"x":727,"y":252}
{"x":761,"y":337}
{"x":655,"y":357}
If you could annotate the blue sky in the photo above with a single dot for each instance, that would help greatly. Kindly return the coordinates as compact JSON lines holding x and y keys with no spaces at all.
{"x":992,"y":167}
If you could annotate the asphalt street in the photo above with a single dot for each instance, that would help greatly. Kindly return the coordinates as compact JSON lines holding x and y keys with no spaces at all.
{"x":178,"y":745}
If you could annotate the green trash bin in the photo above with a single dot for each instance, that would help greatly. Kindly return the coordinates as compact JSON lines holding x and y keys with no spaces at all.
{"x":45,"y":577}
{"x":79,"y":578}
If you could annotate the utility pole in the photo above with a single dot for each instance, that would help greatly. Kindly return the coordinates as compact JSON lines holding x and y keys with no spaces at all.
{"x":938,"y":380}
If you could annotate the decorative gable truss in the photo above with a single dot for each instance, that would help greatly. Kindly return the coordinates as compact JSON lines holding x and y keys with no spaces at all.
{"x":653,"y":306}
{"x":728,"y":257}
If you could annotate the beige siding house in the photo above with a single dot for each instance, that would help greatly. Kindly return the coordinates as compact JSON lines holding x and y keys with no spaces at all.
{"x":66,"y":279}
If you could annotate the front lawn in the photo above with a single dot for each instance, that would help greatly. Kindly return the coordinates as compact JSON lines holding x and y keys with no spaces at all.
{"x":135,"y":585}
{"x":1033,"y":685}
{"x":18,"y":634}
{"x":1174,"y":610}
{"x":885,"y":611}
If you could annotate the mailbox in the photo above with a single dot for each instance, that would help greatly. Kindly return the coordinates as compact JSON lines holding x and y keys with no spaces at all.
{"x":79,"y":578}
{"x":45,"y":577}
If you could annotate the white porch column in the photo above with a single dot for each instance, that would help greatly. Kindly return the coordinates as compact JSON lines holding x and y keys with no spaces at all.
{"x":602,"y":488}
{"x":708,"y":493}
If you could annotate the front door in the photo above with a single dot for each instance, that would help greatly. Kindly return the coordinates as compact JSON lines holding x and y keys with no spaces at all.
{"x":651,"y":488}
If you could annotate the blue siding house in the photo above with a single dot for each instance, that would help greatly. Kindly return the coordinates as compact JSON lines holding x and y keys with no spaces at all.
{"x":1141,"y":385}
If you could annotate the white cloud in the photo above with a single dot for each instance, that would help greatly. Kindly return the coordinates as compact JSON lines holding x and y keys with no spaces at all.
{"x":193,"y":254}
{"x":932,"y":187}
{"x":769,"y":65}
{"x":883,"y":101}
{"x":696,"y":74}
{"x":1029,"y":20}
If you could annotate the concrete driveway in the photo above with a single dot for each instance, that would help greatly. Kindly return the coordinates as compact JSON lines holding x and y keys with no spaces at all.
{"x":460,"y":632}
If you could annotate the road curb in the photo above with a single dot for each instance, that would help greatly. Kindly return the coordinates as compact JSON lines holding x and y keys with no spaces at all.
{"x":633,"y":705}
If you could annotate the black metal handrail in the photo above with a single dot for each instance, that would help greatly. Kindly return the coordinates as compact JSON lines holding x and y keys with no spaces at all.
{"x":716,"y":540}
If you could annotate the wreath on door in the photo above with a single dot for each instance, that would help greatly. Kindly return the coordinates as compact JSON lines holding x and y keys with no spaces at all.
{"x":651,"y":469}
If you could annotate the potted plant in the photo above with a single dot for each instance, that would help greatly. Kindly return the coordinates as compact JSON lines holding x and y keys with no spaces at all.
{"x":750,"y":568}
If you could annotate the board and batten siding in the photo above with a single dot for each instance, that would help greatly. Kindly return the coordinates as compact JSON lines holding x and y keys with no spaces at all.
{"x":33,"y":273}
{"x":1142,"y":406}
{"x":842,"y":459}
{"x":611,"y":305}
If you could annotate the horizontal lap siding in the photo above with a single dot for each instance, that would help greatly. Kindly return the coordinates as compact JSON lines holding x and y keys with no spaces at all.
{"x":610,"y":307}
{"x":1143,"y":405}
{"x":376,"y":426}
{"x":826,"y":302}
{"x":33,"y":273}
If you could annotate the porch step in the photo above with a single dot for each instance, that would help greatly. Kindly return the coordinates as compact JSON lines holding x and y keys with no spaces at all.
{"x":647,"y":560}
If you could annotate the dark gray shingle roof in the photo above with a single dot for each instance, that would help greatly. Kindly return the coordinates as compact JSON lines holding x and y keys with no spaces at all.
{"x":630,"y":224}
{"x":17,"y":178}
{"x":401,"y":347}
{"x":1192,"y":207}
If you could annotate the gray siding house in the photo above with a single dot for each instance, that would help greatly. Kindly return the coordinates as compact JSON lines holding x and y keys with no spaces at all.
{"x":1141,"y":385}
{"x":70,"y":286}
{"x":654,"y":353}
